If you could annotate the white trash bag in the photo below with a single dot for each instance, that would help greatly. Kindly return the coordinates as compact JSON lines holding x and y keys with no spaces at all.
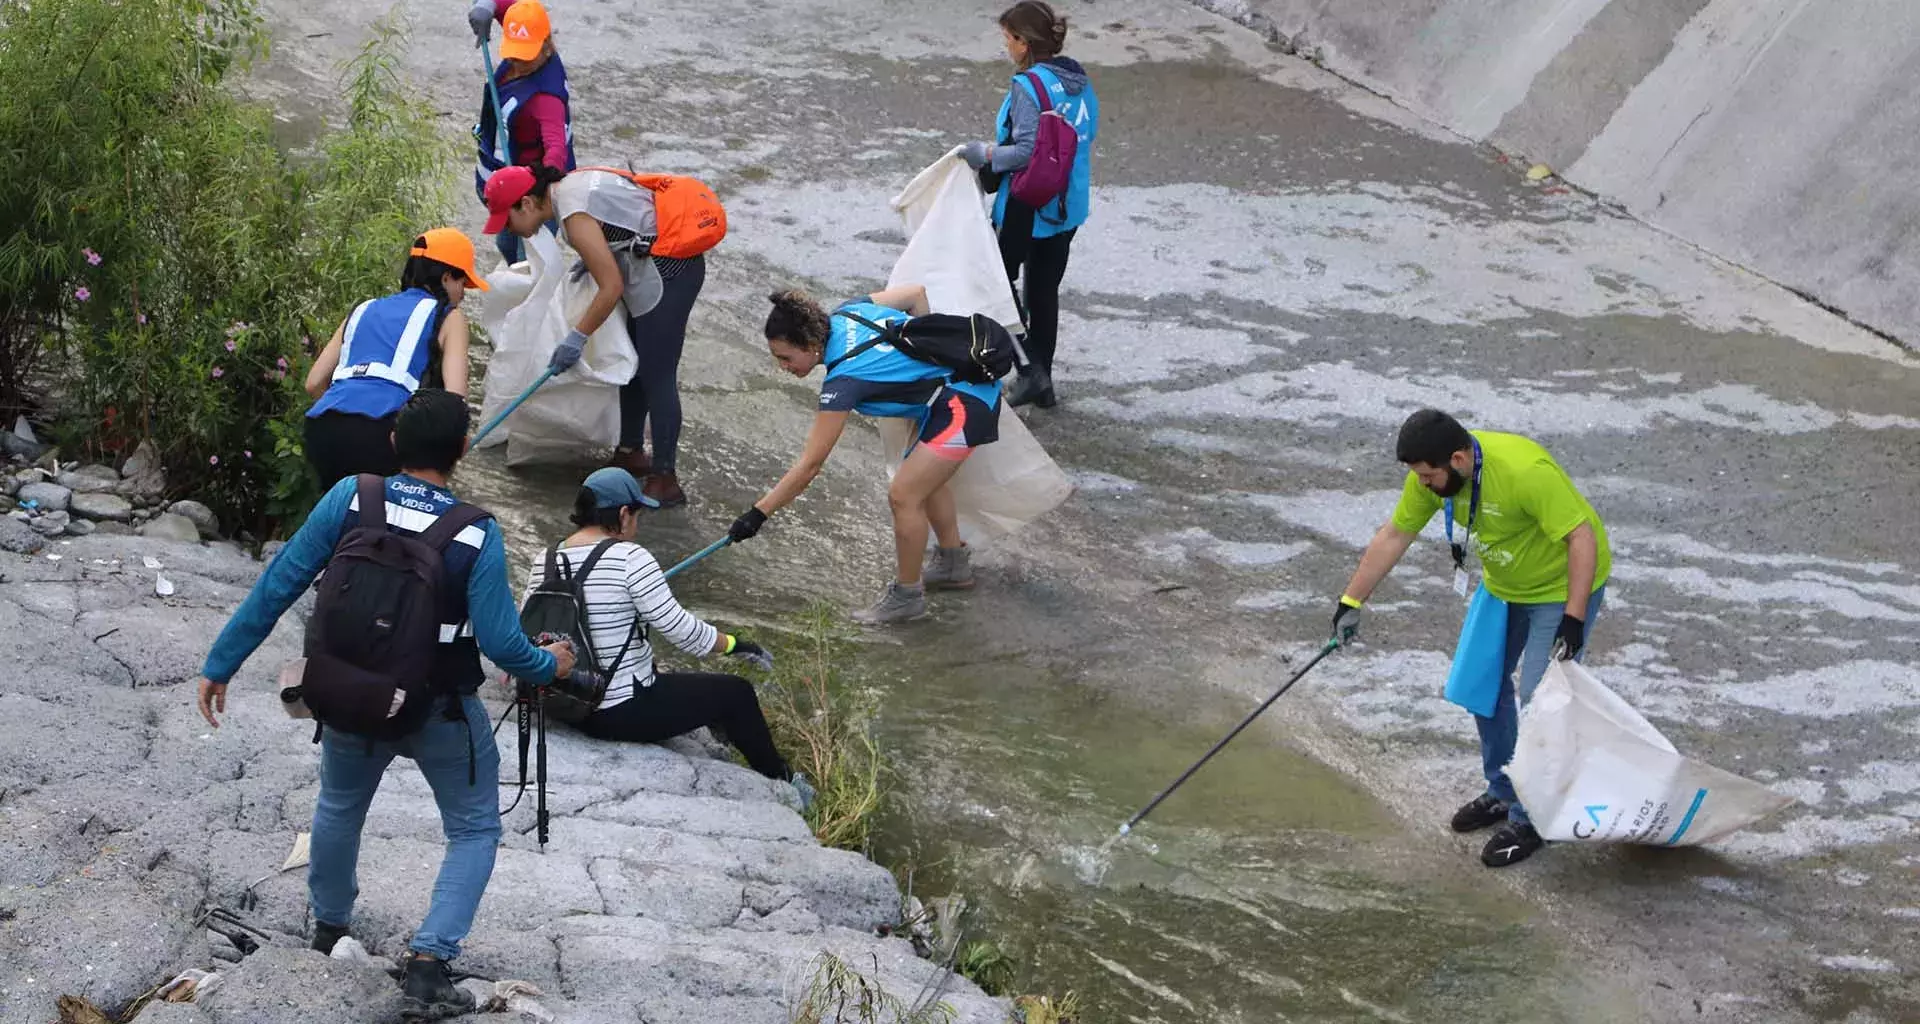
{"x":951,"y":248}
{"x":1001,"y":487}
{"x":530,"y":308}
{"x":1589,"y":768}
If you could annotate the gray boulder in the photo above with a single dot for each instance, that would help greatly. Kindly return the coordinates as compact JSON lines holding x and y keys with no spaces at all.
{"x":53,"y":524}
{"x":143,"y":473}
{"x":102,"y":506}
{"x":280,"y":984}
{"x":50,"y":497}
{"x":201,"y":515}
{"x":168,"y":526}
{"x":81,"y":528}
{"x":109,"y":528}
{"x":90,"y":479}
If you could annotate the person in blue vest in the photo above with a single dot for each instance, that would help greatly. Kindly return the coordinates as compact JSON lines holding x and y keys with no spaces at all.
{"x":879,"y":380}
{"x":1038,"y":239}
{"x":454,"y":748}
{"x":532,"y":85}
{"x":386,"y":350}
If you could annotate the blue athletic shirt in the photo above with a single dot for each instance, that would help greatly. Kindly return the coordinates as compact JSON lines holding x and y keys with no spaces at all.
{"x":884,"y":381}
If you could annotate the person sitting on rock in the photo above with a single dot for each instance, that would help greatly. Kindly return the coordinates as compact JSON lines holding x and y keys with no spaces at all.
{"x":454,"y":748}
{"x":384,"y":351}
{"x":627,"y":598}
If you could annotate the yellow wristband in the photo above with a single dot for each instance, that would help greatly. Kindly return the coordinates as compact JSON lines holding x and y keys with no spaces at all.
{"x":731,"y":641}
{"x":1351,"y":602}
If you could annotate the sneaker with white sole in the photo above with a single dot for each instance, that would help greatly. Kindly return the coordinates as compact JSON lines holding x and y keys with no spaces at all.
{"x":898,"y":604}
{"x":949,"y":569}
{"x":1511,"y":843}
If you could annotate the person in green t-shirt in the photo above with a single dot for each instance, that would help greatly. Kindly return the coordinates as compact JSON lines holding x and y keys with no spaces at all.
{"x":1542,"y":549}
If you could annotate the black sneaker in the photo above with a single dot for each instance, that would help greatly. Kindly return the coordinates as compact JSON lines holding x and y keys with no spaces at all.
{"x":430,"y":993}
{"x":1513,"y":843}
{"x":326,"y":935}
{"x":1485,"y":811}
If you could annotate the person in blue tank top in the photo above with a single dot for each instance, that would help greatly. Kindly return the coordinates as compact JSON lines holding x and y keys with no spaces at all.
{"x":1038,"y":239}
{"x":383,"y":352}
{"x":531,"y":83}
{"x":878,"y":379}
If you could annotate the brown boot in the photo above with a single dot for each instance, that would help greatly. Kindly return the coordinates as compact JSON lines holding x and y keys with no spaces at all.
{"x":633,"y":460}
{"x":665,"y":489}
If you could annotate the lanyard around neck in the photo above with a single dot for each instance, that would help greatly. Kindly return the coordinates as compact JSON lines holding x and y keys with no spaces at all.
{"x":1459,"y":547}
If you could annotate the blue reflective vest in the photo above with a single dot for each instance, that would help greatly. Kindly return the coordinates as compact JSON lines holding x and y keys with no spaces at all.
{"x":383,"y":354}
{"x":1082,"y":111}
{"x":550,"y":79}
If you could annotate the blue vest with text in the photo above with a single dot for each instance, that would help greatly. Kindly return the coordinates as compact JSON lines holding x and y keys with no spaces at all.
{"x":385,"y":351}
{"x":1082,"y":111}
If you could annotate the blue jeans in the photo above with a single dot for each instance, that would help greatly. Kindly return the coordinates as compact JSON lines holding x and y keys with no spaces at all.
{"x":1530,"y":629}
{"x":350,"y":771}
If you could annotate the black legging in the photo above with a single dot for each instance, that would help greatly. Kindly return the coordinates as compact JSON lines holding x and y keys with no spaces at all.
{"x":1046,"y":262}
{"x":341,"y":444}
{"x":658,"y":336}
{"x":680,"y":702}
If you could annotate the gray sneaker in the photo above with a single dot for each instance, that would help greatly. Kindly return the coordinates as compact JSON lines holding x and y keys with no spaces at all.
{"x":949,"y":569}
{"x":897,"y":604}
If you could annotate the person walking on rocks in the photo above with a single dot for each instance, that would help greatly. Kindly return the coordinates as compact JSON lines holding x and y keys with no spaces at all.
{"x":452,"y":746}
{"x":627,"y":600}
{"x":383,"y":352}
{"x":877,"y":379}
{"x":1545,"y":557}
{"x":608,"y":219}
{"x":531,"y":86}
{"x":1038,"y":239}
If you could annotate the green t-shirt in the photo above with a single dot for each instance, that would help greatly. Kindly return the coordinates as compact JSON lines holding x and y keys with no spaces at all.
{"x":1527,"y":508}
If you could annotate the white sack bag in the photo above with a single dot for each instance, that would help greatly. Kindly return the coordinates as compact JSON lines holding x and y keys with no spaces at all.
{"x":578,"y":411}
{"x":1001,"y":487}
{"x":951,"y":246}
{"x":1589,"y":768}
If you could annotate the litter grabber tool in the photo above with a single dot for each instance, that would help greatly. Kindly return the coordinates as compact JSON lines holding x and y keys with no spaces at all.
{"x":696,"y":556}
{"x":1127,"y":827}
{"x":487,"y":427}
{"x":493,"y":95}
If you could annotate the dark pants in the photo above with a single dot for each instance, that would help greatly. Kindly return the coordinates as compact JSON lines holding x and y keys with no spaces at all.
{"x":680,"y":702}
{"x":654,"y":393}
{"x":341,"y":444}
{"x":1045,"y":260}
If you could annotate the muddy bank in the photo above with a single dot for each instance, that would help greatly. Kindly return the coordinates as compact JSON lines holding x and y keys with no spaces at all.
{"x":676,"y":885}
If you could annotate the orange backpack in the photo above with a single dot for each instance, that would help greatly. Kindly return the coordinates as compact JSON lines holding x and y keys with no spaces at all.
{"x":689,"y":217}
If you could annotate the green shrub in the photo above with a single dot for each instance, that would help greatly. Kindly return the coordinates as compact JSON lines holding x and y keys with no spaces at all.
{"x":820,"y":721}
{"x":178,"y":264}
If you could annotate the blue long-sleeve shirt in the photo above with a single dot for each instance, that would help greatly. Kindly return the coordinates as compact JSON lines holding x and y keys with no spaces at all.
{"x":490,"y":608}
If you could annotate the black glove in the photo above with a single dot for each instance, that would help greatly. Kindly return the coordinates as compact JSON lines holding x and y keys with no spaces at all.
{"x":1346,"y":622}
{"x":747,"y":525}
{"x":1570,"y":639}
{"x":754,"y":654}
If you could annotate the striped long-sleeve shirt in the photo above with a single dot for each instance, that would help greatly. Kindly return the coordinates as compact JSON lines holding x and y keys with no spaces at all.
{"x":627,"y":586}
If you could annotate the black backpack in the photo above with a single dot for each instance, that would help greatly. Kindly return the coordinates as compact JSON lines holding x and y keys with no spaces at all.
{"x":558,"y":607}
{"x":975,"y":347}
{"x":374,"y":636}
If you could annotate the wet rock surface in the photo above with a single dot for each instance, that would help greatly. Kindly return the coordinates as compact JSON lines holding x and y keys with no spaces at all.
{"x":671,"y":879}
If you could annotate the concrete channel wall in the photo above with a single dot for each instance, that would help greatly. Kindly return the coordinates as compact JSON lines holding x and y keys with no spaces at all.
{"x":1778,"y":134}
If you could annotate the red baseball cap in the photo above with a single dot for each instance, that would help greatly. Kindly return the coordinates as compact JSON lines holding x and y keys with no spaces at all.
{"x":505,"y":187}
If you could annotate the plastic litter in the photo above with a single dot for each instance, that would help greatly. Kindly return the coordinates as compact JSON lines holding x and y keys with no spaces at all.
{"x":1539,"y":172}
{"x":151,"y":562}
{"x":189,"y":986}
{"x":1589,"y":768}
{"x":350,"y":949}
{"x":510,"y":996}
{"x":163,"y":586}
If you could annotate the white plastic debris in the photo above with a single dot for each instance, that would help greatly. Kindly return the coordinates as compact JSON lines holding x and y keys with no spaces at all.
{"x":162,"y":586}
{"x":350,"y":949}
{"x":298,"y":856}
{"x":189,"y":986}
{"x":511,"y":996}
{"x":24,"y":430}
{"x":151,"y":562}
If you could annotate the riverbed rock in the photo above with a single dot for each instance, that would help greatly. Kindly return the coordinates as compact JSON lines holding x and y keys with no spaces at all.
{"x":110,"y":529}
{"x":102,"y":506}
{"x":19,"y":537}
{"x":52,"y":524}
{"x":201,"y":515}
{"x":168,"y":526}
{"x":81,"y":528}
{"x":49,"y":497}
{"x":90,"y":479}
{"x":142,"y":473}
{"x":277,"y":984}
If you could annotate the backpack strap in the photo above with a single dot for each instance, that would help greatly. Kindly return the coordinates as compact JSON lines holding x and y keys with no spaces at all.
{"x":1039,"y":91}
{"x":450,"y":523}
{"x":586,"y":567}
{"x":885,"y":335}
{"x":372,"y":490}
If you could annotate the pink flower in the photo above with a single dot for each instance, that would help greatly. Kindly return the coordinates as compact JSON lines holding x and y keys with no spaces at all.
{"x":237,"y":327}
{"x":213,"y":460}
{"x":82,"y":294}
{"x":229,"y":345}
{"x":93,"y":258}
{"x":279,"y":375}
{"x":218,"y":373}
{"x":281,"y":362}
{"x":142,"y":318}
{"x":248,"y":452}
{"x":306,"y":343}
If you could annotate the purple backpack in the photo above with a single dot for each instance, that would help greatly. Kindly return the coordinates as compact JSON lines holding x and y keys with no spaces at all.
{"x":1055,"y":144}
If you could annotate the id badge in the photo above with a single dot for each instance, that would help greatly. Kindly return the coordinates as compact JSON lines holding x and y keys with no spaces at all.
{"x":1461,"y":584}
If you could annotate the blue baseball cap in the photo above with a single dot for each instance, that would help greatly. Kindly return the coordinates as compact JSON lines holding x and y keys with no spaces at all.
{"x":614,"y":487}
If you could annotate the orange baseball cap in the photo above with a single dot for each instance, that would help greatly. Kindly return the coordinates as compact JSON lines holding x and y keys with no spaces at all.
{"x":524,"y":28}
{"x":450,"y":246}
